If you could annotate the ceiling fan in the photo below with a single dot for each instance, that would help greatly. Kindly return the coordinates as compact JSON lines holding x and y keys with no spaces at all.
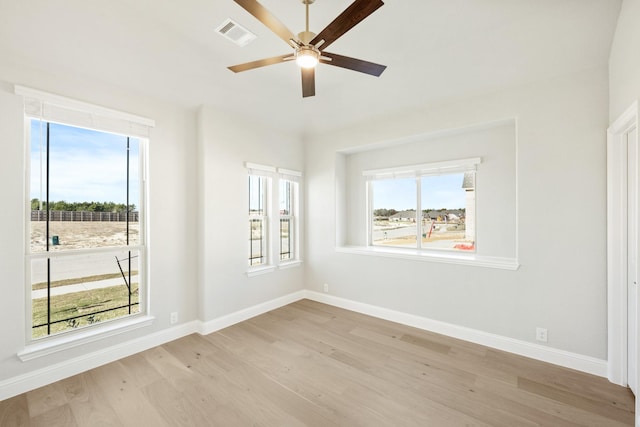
{"x":309,"y":48}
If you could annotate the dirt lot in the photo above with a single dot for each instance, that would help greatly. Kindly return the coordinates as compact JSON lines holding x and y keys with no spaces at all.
{"x":401,"y":241}
{"x":78,"y":234}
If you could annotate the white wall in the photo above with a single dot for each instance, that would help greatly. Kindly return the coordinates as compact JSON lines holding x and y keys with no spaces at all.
{"x":172,"y":210}
{"x":226,"y":142}
{"x":197,"y":268}
{"x":561,"y":283}
{"x":624,"y":62}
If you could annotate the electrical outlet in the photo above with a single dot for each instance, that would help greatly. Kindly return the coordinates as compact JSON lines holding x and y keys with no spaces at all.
{"x":174,"y":317}
{"x":325,"y":287}
{"x":541,"y":334}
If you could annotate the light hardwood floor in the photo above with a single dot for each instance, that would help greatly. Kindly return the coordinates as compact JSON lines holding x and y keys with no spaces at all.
{"x":317,"y":365}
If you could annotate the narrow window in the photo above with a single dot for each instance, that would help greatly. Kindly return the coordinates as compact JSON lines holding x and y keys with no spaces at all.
{"x":287,"y":192}
{"x":258,"y":220}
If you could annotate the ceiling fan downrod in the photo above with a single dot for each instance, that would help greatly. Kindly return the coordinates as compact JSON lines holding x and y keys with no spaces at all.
{"x":306,"y":36}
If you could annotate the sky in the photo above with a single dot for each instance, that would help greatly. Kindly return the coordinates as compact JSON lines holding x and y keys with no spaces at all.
{"x":256,"y":194}
{"x":85,"y":165}
{"x":441,"y":191}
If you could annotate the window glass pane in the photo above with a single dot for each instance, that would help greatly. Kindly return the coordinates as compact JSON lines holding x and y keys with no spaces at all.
{"x":82,"y":290}
{"x":257,"y":241}
{"x":394,"y":212}
{"x":257,"y":220}
{"x":90,"y":182}
{"x":285,"y":239}
{"x":286,"y":193}
{"x":256,"y":194}
{"x":447,"y":200}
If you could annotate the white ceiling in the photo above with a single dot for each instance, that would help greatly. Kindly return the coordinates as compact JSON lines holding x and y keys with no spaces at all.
{"x":435,"y":50}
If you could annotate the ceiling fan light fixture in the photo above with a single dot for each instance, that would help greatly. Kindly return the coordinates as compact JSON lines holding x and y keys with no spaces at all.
{"x":307,"y":56}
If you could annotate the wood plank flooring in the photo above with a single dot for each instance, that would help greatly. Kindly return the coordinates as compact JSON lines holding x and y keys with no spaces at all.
{"x":310,"y":364}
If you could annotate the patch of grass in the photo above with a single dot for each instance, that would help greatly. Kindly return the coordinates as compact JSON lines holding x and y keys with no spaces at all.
{"x":83,"y":303}
{"x":76,"y":280}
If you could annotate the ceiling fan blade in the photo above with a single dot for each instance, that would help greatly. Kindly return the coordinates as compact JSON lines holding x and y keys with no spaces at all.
{"x":270,"y":21}
{"x":260,"y":63}
{"x":348,"y":19}
{"x":308,"y":82}
{"x":353,"y":64}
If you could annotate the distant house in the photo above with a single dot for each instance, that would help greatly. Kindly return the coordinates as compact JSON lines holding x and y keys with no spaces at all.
{"x":431,"y":215}
{"x":404,"y":216}
{"x":444,"y":215}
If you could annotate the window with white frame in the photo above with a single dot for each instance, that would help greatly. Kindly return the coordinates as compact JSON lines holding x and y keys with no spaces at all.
{"x":85,"y":200}
{"x":288,"y":193}
{"x":264,"y":221}
{"x":430,"y":206}
{"x":258,"y":219}
{"x":287,"y":220}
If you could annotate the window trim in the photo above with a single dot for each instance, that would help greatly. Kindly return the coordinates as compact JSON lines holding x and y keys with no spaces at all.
{"x":51,"y":107}
{"x":47,"y":107}
{"x":70,"y":339}
{"x":424,"y":169}
{"x":432,"y":256}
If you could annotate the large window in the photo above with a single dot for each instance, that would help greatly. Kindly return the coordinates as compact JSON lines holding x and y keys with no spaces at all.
{"x":269,"y":189}
{"x":85,"y":224}
{"x":423,"y":207}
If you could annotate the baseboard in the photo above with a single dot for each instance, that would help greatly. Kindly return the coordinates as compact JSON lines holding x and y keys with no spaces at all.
{"x":523,"y":348}
{"x":41,"y":377}
{"x":214,"y":325}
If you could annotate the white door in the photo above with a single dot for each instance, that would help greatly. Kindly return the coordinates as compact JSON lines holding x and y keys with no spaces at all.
{"x":632,"y":259}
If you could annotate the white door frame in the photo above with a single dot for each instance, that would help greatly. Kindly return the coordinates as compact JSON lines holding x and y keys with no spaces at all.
{"x":617,"y":244}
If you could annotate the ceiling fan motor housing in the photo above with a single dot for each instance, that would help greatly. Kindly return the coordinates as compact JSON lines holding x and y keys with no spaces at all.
{"x":306,"y":36}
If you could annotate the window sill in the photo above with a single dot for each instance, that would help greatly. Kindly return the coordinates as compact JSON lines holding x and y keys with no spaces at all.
{"x":257,"y":271}
{"x":290,"y":264}
{"x":446,"y":258}
{"x":65,"y":341}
